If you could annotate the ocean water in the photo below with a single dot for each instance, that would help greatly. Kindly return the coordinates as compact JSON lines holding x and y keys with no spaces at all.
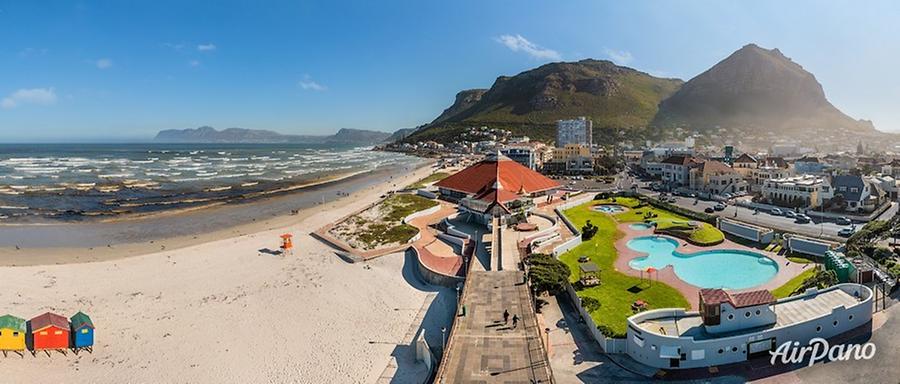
{"x":72,"y":182}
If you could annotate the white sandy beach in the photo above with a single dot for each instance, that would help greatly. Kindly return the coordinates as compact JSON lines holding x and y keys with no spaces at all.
{"x":221,"y":312}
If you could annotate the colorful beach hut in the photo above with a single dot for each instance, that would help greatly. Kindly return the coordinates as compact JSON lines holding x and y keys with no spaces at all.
{"x":50,"y":331}
{"x":12,"y":333}
{"x":82,"y":331}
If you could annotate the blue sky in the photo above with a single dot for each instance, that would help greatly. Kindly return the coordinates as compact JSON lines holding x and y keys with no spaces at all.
{"x":122,"y":70}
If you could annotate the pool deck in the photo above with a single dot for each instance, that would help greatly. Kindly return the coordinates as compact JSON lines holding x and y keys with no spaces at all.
{"x":786,"y":268}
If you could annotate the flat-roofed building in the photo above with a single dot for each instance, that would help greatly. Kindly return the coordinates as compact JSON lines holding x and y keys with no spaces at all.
{"x":804,"y":191}
{"x":575,"y":131}
{"x":734,"y":327}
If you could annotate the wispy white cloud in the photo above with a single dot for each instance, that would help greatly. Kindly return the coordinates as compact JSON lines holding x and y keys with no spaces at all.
{"x":39,"y":96}
{"x":29,"y":52}
{"x":619,"y":57}
{"x":308,"y":84}
{"x":194,"y":63}
{"x":104,"y":63}
{"x":174,"y":46}
{"x":206,"y":47}
{"x":518,"y":43}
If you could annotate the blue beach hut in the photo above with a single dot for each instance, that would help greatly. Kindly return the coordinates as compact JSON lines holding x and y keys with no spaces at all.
{"x":82,"y":332}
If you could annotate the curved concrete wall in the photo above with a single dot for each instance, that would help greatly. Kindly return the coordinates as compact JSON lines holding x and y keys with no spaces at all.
{"x":424,"y":212}
{"x":645,"y":346}
{"x":432,"y":276}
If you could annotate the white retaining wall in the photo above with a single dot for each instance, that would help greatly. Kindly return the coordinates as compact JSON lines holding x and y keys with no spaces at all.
{"x":609,"y":344}
{"x":808,"y":246}
{"x":424,"y":212}
{"x":746,"y":231}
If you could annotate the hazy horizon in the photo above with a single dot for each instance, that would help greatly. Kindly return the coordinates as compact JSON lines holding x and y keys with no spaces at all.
{"x":117,"y":72}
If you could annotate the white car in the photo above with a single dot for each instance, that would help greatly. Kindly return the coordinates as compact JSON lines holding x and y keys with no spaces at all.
{"x":776,"y":212}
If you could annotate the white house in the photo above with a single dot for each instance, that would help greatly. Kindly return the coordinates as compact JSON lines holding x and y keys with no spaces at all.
{"x":808,"y":191}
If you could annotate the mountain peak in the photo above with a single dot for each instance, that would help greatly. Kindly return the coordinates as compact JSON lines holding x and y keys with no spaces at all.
{"x":754,"y":87}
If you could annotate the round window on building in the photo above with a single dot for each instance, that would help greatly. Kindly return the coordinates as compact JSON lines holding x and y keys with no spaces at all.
{"x":730,"y":316}
{"x":733,"y":349}
{"x":721,"y":351}
{"x":747,"y":314}
{"x":851,"y":317}
{"x":834,"y":323}
{"x":819,"y":329}
{"x":758,"y":312}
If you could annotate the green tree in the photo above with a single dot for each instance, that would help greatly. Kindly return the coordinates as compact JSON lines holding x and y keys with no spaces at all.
{"x":821,"y":279}
{"x":547,"y":274}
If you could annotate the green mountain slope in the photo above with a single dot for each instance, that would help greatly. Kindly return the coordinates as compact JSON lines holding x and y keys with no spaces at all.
{"x":531,"y":102}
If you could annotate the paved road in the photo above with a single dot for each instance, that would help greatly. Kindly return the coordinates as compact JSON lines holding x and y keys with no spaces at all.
{"x":882,"y":368}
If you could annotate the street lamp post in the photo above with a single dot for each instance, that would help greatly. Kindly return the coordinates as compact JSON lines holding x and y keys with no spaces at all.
{"x":443,"y":339}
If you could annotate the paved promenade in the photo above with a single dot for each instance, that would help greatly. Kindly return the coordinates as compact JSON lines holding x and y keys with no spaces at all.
{"x":485,"y":350}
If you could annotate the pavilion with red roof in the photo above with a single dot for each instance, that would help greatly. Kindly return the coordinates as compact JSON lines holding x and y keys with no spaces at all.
{"x":496,"y":187}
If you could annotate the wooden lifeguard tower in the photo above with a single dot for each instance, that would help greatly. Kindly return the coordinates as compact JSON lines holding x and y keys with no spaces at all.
{"x":287,"y":245}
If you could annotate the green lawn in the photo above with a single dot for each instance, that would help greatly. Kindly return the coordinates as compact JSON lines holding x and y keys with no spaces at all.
{"x":433,"y":178}
{"x":800,"y":260}
{"x":674,"y":223}
{"x":792,"y":284}
{"x":617,"y":291}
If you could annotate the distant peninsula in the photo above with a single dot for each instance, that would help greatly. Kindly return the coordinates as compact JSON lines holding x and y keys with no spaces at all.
{"x":208,"y":134}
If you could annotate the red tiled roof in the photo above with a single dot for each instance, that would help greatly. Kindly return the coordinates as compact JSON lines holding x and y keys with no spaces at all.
{"x":501,"y":196}
{"x":680,"y":160}
{"x":501,"y":173}
{"x":712,"y":166}
{"x":737,"y":300}
{"x":43,"y":321}
{"x":745,"y":158}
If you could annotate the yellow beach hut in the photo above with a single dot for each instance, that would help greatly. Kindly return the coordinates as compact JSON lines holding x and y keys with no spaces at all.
{"x":12,"y":333}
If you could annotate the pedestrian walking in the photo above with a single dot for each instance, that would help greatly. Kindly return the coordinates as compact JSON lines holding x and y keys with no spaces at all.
{"x":505,"y":316}
{"x":515,"y":321}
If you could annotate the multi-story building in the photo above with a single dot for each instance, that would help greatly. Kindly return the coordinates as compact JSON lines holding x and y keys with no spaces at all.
{"x":716,"y":178}
{"x":745,"y":164}
{"x":808,"y":191}
{"x":676,"y":170}
{"x":521,"y":154}
{"x":575,"y":131}
{"x":768,"y":169}
{"x":571,"y":159}
{"x":860,"y":194}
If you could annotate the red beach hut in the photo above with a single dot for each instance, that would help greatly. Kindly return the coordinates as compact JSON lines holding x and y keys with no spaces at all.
{"x":50,"y":331}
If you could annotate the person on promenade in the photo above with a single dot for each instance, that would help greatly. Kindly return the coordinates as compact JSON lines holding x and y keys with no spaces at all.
{"x":515,"y":321}
{"x":505,"y":316}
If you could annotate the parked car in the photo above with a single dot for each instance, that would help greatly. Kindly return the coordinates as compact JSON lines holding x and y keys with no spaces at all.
{"x":719,"y":207}
{"x":843,"y":221}
{"x":847,"y":232}
{"x":728,"y":196}
{"x":709,"y":210}
{"x":790,"y":214}
{"x":776,"y":212}
{"x":802,"y":219}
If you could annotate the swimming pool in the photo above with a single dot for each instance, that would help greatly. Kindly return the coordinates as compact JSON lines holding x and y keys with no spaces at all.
{"x":609,"y":208}
{"x":641,"y":226}
{"x":723,"y":268}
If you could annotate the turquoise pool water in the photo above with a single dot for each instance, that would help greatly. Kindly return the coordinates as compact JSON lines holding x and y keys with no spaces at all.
{"x":640,"y":226}
{"x":609,"y":208}
{"x":726,"y":268}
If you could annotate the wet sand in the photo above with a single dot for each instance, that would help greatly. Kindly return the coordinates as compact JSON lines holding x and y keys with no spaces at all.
{"x":63,"y":243}
{"x":223,"y":312}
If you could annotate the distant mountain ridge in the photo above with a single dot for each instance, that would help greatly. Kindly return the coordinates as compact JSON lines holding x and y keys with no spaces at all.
{"x":754,"y":91}
{"x":207,"y":134}
{"x":532,"y":101}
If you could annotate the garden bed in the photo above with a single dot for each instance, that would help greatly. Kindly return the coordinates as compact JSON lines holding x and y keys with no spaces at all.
{"x":382,"y":224}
